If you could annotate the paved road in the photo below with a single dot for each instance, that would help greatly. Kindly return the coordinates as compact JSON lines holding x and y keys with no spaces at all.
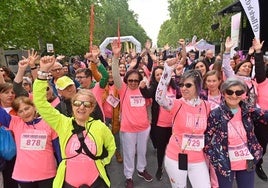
{"x":118,"y":180}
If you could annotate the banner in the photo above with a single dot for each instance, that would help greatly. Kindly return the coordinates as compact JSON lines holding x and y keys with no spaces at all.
{"x":252,"y":10}
{"x":235,"y":28}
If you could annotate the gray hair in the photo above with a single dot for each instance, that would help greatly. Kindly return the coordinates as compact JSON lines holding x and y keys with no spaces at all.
{"x":233,"y":81}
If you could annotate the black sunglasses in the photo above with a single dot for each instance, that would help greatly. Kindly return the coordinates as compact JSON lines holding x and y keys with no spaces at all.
{"x":130,"y":80}
{"x":237,"y":92}
{"x":187,"y":85}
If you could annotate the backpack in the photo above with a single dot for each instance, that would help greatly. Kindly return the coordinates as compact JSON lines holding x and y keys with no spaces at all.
{"x":7,"y":144}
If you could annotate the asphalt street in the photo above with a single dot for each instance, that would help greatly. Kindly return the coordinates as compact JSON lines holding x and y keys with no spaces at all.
{"x":115,"y":171}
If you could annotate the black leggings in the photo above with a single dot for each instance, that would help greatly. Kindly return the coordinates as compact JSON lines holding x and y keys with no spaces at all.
{"x":99,"y":183}
{"x":163,"y":135}
{"x":261,"y":132}
{"x":47,"y":183}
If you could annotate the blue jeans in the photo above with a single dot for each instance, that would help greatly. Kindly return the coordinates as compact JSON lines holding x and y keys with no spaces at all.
{"x":244,"y":179}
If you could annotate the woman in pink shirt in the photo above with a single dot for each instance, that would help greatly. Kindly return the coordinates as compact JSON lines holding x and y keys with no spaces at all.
{"x":35,"y":164}
{"x":230,"y":142}
{"x":184,"y":153}
{"x":135,"y":126}
{"x":161,"y":123}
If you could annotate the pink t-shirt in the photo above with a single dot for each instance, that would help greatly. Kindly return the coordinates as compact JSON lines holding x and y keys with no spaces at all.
{"x":35,"y":157}
{"x":80,"y":169}
{"x":55,"y":102}
{"x":98,"y":92}
{"x":190,"y":124}
{"x":165,"y":117}
{"x":110,"y":102}
{"x":134,"y":117}
{"x":214,"y":101}
{"x":237,"y":136}
{"x":262,"y":94}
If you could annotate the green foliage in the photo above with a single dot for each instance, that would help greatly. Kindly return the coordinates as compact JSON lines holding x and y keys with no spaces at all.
{"x":64,"y":23}
{"x":189,"y":18}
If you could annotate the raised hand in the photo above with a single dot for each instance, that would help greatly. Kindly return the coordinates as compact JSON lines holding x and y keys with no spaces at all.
{"x":148,"y":45}
{"x":95,"y":51}
{"x":171,"y":61}
{"x":116,"y":49}
{"x":32,"y":57}
{"x":133,"y":53}
{"x":23,"y":64}
{"x":142,"y":84}
{"x":46,"y":63}
{"x":251,"y":50}
{"x":228,"y":44}
{"x":257,"y":45}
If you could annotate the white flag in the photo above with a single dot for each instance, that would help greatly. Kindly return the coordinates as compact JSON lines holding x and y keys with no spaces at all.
{"x":252,"y":10}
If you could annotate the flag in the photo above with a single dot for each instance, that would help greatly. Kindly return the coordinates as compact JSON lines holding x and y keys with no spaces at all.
{"x":91,"y":29}
{"x":252,"y":11}
{"x":118,"y":33}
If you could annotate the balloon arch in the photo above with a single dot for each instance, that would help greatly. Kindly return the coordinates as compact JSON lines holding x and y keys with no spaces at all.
{"x":109,"y":40}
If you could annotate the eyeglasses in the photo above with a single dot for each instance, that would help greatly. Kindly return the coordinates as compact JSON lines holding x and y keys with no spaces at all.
{"x":86,"y":104}
{"x":56,"y":70}
{"x":187,"y":85}
{"x":131,"y":81}
{"x":237,"y":92}
{"x":80,"y":77}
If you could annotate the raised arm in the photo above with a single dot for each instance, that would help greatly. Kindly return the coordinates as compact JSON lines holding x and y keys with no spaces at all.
{"x":161,"y":91}
{"x":92,"y":58}
{"x":228,"y":71}
{"x":183,"y":52}
{"x":259,"y":64}
{"x":17,"y":86}
{"x":32,"y":57}
{"x":116,"y":48}
{"x":51,"y":115}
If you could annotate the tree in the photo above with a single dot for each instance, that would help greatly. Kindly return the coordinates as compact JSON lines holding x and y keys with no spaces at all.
{"x":189,"y":18}
{"x":65,"y":23}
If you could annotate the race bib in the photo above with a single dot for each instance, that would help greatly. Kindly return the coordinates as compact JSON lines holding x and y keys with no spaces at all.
{"x":193,"y":142}
{"x":113,"y":101}
{"x":239,"y":152}
{"x":33,"y":141}
{"x":137,"y":101}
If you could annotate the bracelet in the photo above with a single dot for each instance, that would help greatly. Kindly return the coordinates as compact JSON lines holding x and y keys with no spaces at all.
{"x":33,"y":68}
{"x":38,"y":78}
{"x":42,"y":74}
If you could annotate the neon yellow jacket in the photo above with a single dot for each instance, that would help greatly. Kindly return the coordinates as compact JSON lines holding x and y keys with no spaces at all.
{"x":98,"y":131}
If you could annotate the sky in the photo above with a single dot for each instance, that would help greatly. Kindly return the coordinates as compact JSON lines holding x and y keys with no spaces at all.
{"x":151,"y":15}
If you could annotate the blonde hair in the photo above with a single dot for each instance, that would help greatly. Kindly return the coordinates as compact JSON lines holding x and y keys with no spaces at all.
{"x":87,"y":93}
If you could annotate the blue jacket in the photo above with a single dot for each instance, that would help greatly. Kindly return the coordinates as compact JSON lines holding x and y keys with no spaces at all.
{"x":216,"y":135}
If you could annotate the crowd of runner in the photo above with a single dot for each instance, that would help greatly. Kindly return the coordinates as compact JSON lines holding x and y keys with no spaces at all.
{"x":205,"y":114}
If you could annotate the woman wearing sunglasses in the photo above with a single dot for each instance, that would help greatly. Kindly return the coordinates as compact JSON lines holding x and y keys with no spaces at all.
{"x":242,"y":70}
{"x":184,"y":153}
{"x":135,"y":126}
{"x":230,"y":142}
{"x":82,"y":139}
